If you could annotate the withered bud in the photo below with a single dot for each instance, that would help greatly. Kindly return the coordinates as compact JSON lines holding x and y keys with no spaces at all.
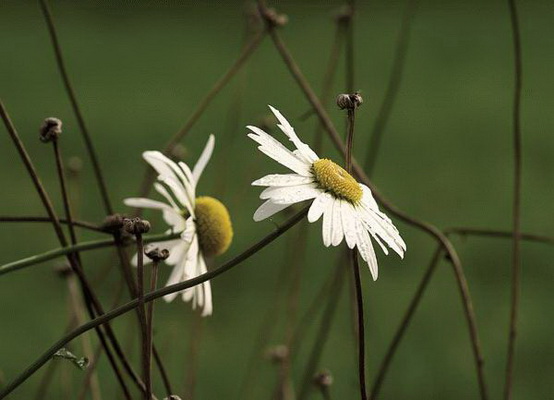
{"x":344,"y":14}
{"x":63,"y":270}
{"x":172,"y":397}
{"x":323,"y":378}
{"x":277,"y":354}
{"x":113,"y":223}
{"x":50,"y":129}
{"x":273,"y":18}
{"x":136,"y":226}
{"x":74,"y":166}
{"x":349,"y":101}
{"x":156,"y":254}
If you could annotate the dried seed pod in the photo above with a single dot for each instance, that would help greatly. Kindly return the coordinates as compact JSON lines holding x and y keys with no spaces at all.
{"x":113,"y":223}
{"x":136,"y":226}
{"x":349,"y":101}
{"x":50,"y":129}
{"x":278,"y":354}
{"x":156,"y":254}
{"x":273,"y":18}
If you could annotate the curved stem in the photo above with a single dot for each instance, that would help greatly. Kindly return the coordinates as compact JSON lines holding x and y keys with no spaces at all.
{"x":530,"y":237}
{"x":80,"y":224}
{"x":361,"y":332}
{"x":29,"y":371}
{"x":83,"y":246}
{"x":516,"y":217}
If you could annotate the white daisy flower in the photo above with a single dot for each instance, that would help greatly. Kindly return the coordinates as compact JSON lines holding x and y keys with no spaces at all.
{"x":348,"y":208}
{"x":204,"y":222}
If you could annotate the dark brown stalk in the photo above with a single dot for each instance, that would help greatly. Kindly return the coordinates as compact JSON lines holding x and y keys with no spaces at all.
{"x":530,"y":237}
{"x":142,"y":318}
{"x":399,"y":334}
{"x":59,"y":233}
{"x":395,"y":80}
{"x":105,"y":318}
{"x":75,"y":105}
{"x":516,"y":217}
{"x":422,"y":225}
{"x":361,"y":331}
{"x":80,"y":224}
{"x":192,"y":359}
{"x":150,"y":312}
{"x":323,"y":333}
{"x":245,"y":54}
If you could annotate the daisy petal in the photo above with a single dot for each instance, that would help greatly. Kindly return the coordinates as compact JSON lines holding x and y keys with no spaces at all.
{"x":282,"y":180}
{"x":327,"y":223}
{"x":290,"y":194}
{"x":288,"y":130}
{"x":348,"y":223}
{"x":204,"y":158}
{"x":274,"y":149}
{"x":318,"y":206}
{"x":268,"y":209}
{"x":337,"y":232}
{"x":365,"y":247}
{"x":140,"y":202}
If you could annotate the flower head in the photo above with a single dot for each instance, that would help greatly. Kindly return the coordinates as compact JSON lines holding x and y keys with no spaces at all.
{"x":348,"y":208}
{"x":204,"y":223}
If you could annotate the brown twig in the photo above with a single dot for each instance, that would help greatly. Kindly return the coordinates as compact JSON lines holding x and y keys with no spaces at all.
{"x":395,"y":80}
{"x":247,"y":51}
{"x":75,"y":105}
{"x":81,"y":224}
{"x":531,"y":237}
{"x":423,"y":226}
{"x":142,"y":318}
{"x":516,"y":217}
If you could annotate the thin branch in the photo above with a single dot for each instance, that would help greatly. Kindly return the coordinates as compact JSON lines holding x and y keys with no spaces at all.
{"x":75,"y":105}
{"x":81,"y":224}
{"x":399,"y":334}
{"x":530,"y":237}
{"x":516,"y":217}
{"x":105,"y":318}
{"x":83,"y":246}
{"x":146,"y":356}
{"x":361,"y":331}
{"x":247,"y":51}
{"x":395,"y":80}
{"x":424,"y":226}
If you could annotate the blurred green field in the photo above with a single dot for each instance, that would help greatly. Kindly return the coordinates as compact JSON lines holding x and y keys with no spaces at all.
{"x":139,"y":70}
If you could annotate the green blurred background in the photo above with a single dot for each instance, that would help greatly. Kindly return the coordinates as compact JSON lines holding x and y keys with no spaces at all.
{"x":140,"y":69}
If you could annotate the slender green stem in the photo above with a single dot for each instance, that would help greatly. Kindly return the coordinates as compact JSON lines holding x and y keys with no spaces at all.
{"x":516,"y":217}
{"x":80,"y":224}
{"x":103,"y":319}
{"x":83,"y":246}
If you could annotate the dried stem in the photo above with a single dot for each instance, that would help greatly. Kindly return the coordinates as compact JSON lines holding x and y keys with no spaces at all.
{"x":105,"y":318}
{"x":516,"y":217}
{"x":361,"y":332}
{"x":393,"y":346}
{"x":83,"y":246}
{"x":150,"y":311}
{"x":75,"y":105}
{"x":423,"y":226}
{"x":245,"y":54}
{"x":142,"y":319}
{"x":80,"y":224}
{"x":323,"y":333}
{"x":393,"y":85}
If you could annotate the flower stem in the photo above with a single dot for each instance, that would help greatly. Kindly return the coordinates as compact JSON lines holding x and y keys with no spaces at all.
{"x":142,"y":318}
{"x":361,"y":333}
{"x":150,"y":312}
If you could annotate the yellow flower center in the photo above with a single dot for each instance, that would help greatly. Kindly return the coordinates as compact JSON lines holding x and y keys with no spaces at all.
{"x":213,"y":225}
{"x":336,"y":180}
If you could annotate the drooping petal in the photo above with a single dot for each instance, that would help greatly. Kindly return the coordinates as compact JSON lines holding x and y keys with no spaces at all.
{"x":267,"y":209}
{"x":348,"y":223}
{"x":288,"y":130}
{"x":182,"y":194}
{"x":326,"y":228}
{"x":318,"y":206}
{"x":337,"y":232}
{"x":283,"y":180}
{"x":274,"y":149}
{"x":204,"y":158}
{"x":141,"y":202}
{"x":290,"y":194}
{"x":365,"y":247}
